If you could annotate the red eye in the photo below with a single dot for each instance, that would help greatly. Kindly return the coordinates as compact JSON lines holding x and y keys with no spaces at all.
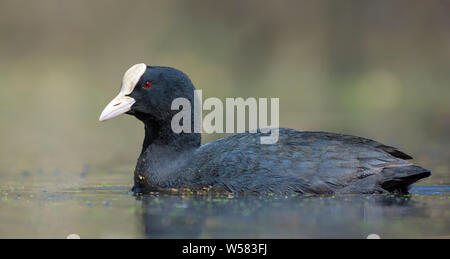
{"x":147,"y":84}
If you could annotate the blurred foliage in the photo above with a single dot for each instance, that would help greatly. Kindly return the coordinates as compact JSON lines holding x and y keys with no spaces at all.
{"x":378,"y":69}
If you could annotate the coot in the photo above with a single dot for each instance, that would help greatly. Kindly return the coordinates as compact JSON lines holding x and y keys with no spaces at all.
{"x":300,"y":162}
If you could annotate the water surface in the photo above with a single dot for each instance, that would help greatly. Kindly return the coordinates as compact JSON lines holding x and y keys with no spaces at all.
{"x":111,"y":211}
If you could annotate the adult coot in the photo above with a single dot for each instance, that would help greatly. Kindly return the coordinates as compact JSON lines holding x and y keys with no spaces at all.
{"x":300,"y":162}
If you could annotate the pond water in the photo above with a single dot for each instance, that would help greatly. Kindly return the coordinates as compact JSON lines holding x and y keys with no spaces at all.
{"x":29,"y":209}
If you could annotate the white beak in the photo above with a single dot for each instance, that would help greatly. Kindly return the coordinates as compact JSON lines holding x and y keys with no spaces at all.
{"x":120,"y":104}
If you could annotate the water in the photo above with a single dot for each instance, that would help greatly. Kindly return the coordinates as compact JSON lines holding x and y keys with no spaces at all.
{"x":29,"y":209}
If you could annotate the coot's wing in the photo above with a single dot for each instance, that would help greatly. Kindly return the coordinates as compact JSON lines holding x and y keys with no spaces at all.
{"x":303,"y":162}
{"x":358,"y":140}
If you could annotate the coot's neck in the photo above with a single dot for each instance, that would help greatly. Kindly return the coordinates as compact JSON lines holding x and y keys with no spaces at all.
{"x":163,"y":154}
{"x":161,"y":134}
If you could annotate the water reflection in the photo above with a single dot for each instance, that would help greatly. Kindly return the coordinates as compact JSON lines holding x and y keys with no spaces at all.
{"x":111,"y":211}
{"x":168,"y":216}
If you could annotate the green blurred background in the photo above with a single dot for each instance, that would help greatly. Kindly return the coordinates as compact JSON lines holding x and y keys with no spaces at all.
{"x":378,"y":69}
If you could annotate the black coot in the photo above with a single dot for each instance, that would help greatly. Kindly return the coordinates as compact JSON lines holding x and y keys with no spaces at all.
{"x":300,"y":162}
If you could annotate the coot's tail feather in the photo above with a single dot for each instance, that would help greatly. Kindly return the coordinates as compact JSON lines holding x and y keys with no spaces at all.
{"x":398,"y":179}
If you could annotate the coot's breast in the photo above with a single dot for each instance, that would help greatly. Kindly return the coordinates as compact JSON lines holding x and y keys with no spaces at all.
{"x":300,"y":162}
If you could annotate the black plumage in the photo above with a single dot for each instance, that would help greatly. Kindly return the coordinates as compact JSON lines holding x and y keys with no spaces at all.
{"x":300,"y":162}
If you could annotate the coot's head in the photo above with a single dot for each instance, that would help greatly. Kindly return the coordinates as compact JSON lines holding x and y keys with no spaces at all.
{"x":147,"y":93}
